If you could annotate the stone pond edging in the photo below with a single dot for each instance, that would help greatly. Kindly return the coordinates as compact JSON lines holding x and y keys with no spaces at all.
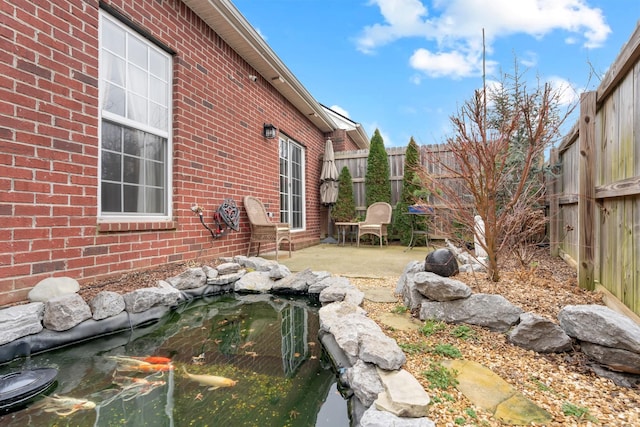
{"x":368,"y":363}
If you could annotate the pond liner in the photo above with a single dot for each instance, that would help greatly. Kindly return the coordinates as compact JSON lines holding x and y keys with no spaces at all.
{"x":47,"y":339}
{"x":340,"y":362}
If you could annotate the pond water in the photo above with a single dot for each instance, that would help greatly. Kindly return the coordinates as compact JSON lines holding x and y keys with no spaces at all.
{"x":267,"y":345}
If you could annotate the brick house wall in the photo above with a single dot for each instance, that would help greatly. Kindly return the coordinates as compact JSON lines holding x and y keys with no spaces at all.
{"x":49,"y":149}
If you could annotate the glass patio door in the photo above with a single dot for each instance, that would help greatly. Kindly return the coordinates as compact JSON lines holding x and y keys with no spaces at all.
{"x":292,"y":184}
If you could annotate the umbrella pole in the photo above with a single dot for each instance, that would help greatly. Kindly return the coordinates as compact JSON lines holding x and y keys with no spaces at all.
{"x":329,"y":239}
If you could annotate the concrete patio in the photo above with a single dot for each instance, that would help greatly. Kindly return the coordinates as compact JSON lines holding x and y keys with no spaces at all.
{"x":368,"y":261}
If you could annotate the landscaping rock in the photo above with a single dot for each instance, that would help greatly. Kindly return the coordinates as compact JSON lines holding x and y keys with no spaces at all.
{"x":226,"y":279}
{"x":403,"y":395}
{"x":490,"y":311}
{"x":411,"y":297}
{"x":377,"y":348}
{"x":364,"y":380}
{"x":143,"y":299}
{"x":189,"y":279}
{"x":65,"y":312}
{"x":254,"y":282}
{"x":297,"y":283}
{"x":106,"y":304}
{"x":442,"y":262}
{"x":438,"y":288}
{"x":228,"y":268}
{"x":372,"y":417}
{"x":52,"y":287}
{"x":539,"y":334}
{"x":409,"y":270}
{"x":20,"y":320}
{"x":600,"y":325}
{"x":210,"y":272}
{"x":613,"y":358}
{"x":341,"y":289}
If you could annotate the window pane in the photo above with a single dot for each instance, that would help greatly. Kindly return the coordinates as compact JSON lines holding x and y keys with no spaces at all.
{"x":131,"y":202}
{"x":137,"y":108}
{"x":137,"y":52}
{"x":110,"y":198}
{"x":138,"y":80}
{"x":132,"y":170}
{"x":154,"y":147}
{"x":113,"y":68}
{"x":157,"y":116}
{"x":154,"y":173}
{"x":133,"y":142}
{"x":111,"y":137}
{"x":158,"y":65}
{"x":114,"y":99}
{"x":158,"y":91}
{"x":155,"y":200}
{"x":111,"y":166}
{"x":113,"y":37}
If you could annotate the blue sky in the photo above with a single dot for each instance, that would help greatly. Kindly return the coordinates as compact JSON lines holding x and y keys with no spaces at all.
{"x":405,"y":66}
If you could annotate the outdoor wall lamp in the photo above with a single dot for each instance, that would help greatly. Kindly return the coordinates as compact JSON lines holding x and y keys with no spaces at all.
{"x":269,"y":131}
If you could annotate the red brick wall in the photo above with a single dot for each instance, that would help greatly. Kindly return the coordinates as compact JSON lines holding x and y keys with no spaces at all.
{"x":49,"y":145}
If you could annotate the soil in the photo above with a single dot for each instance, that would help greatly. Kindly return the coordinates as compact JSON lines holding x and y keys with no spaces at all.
{"x":563,"y":384}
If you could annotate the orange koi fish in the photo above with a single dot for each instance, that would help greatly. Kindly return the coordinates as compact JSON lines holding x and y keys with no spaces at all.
{"x":154,"y":360}
{"x":147,"y":368}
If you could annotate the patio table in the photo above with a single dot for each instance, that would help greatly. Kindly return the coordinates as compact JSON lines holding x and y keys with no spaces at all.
{"x":342,"y":229}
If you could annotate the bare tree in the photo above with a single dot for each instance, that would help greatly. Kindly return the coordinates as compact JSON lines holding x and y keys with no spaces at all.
{"x":495,"y":170}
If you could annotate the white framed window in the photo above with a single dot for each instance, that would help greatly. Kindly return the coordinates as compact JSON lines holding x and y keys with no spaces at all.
{"x":135,"y":124}
{"x":292,"y":191}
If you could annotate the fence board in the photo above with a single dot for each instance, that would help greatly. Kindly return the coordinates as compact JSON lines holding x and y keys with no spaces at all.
{"x":605,"y":156}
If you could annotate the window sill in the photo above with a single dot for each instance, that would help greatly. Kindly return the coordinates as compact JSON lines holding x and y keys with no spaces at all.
{"x":126,"y":226}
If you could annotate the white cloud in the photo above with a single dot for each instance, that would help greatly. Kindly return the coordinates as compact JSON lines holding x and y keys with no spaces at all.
{"x":453,"y":28}
{"x":567,"y":94}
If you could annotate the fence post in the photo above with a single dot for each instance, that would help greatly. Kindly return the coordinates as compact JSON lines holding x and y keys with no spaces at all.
{"x":553,"y":191}
{"x":586,"y":190}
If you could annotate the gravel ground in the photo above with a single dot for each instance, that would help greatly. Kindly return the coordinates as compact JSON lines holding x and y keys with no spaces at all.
{"x":562,"y":384}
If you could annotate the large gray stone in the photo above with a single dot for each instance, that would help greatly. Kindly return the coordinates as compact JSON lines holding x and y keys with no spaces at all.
{"x":254,"y":282}
{"x":411,"y":268}
{"x":364,"y":381}
{"x":279,"y":271}
{"x":442,"y":262}
{"x":255,"y":263}
{"x":106,"y":304}
{"x":65,"y":312}
{"x":341,"y":290}
{"x":613,"y":358}
{"x":189,"y":279}
{"x":228,"y":268}
{"x":20,"y":320}
{"x":490,"y":311}
{"x":539,"y":334}
{"x":144,"y":298}
{"x":403,"y":395}
{"x":600,"y":325}
{"x":52,"y":287}
{"x":226,"y":279}
{"x":411,"y":297}
{"x":438,"y":288}
{"x":373,"y":417}
{"x":381,"y":350}
{"x":326,"y":281}
{"x":297,"y":283}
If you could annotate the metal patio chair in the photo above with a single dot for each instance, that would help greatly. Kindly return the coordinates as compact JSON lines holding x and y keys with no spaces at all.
{"x":262,"y":229}
{"x":376,"y":221}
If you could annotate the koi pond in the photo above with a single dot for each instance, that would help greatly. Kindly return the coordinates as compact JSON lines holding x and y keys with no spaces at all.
{"x":235,"y":360}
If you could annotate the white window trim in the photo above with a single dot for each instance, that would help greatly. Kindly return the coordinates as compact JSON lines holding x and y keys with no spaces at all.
{"x":105,"y":115}
{"x":303,"y":149}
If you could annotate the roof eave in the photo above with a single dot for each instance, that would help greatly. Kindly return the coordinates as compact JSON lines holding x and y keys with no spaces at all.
{"x":227,"y":21}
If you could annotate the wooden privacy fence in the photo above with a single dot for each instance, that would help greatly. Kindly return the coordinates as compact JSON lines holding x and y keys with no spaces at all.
{"x":356,"y":161}
{"x":595,"y":196}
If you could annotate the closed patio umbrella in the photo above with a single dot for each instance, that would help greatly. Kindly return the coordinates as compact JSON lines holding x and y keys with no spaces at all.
{"x":329,"y":185}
